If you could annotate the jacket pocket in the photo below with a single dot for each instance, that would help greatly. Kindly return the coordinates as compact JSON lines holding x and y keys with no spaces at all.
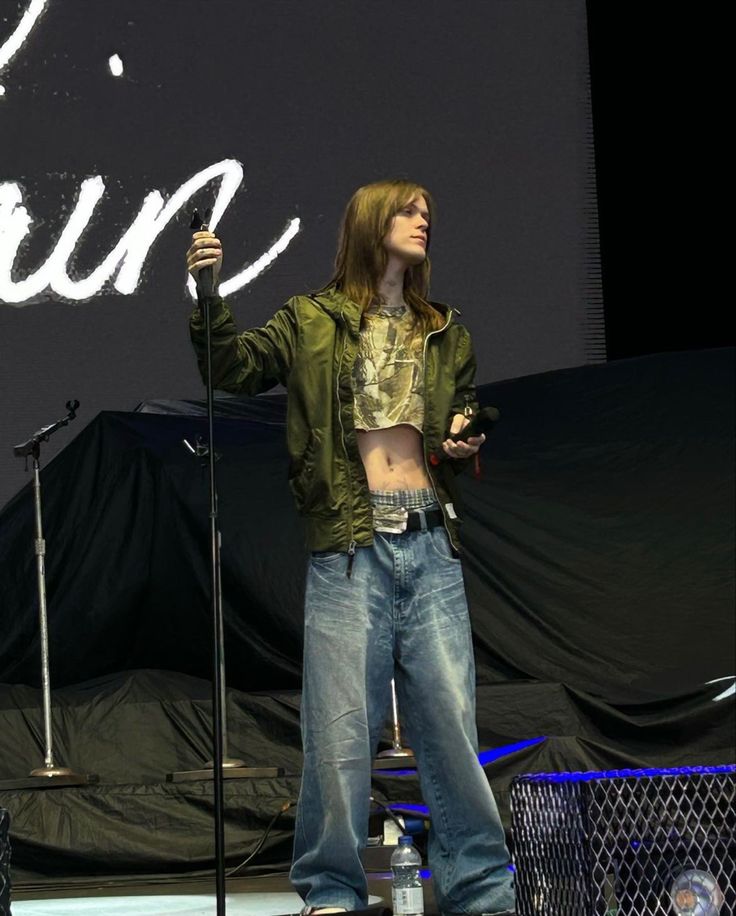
{"x":307,"y":479}
{"x":300,"y":470}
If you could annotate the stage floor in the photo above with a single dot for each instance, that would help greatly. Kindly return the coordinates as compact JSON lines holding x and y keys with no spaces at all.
{"x":258,"y":896}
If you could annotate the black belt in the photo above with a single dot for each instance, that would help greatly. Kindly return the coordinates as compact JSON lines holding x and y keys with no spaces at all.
{"x":434,"y":518}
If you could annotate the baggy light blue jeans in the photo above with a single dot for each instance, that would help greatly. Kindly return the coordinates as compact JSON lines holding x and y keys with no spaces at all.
{"x":403,"y":614}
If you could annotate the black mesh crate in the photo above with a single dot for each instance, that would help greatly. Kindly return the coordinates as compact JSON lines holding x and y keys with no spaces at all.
{"x":626,"y":842}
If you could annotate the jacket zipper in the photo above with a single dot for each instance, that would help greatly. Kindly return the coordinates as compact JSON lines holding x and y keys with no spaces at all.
{"x":424,"y":449}
{"x":352,"y":544}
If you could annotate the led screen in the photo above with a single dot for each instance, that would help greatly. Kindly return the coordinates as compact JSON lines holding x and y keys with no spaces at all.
{"x":117,"y":117}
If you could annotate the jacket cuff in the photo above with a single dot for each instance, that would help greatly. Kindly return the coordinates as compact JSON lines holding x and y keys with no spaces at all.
{"x":218,"y":308}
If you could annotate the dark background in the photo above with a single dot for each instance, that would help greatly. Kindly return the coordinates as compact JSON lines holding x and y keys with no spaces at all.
{"x":608,"y":604}
{"x":487,"y":104}
{"x":657,"y":118}
{"x":504,"y":137}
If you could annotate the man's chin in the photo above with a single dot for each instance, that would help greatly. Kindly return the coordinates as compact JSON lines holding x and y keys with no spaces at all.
{"x":409,"y":256}
{"x":412,"y":256}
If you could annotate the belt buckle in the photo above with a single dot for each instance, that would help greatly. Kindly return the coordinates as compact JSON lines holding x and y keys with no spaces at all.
{"x":397,"y":526}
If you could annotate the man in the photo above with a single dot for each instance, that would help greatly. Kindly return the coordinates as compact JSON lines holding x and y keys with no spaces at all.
{"x":378,"y":378}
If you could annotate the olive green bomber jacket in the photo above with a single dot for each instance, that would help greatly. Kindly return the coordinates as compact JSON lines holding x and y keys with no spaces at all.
{"x":310,"y":346}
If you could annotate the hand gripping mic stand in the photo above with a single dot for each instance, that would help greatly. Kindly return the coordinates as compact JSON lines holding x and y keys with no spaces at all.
{"x":50,"y":774}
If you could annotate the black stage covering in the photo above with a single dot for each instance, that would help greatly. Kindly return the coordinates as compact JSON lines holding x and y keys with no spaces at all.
{"x":599,"y":569}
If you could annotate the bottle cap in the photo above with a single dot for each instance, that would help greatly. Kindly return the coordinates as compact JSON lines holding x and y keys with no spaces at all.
{"x":405,"y":840}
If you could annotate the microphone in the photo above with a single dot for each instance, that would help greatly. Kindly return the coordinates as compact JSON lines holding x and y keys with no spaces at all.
{"x":30,"y":446}
{"x":205,"y":278}
{"x":483,"y":422}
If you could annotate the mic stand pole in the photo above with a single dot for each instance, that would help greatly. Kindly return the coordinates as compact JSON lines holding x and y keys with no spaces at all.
{"x":205,"y":292}
{"x":233,"y":767}
{"x":221,"y":766}
{"x":397,"y":755}
{"x":50,"y":773}
{"x":202,"y":450}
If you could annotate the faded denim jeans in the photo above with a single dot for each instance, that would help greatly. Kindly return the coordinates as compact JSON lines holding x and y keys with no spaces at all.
{"x":402,"y":614}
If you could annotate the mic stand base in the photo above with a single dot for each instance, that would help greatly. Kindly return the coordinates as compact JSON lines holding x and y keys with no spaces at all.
{"x":395,"y":758}
{"x":53,"y":772}
{"x":228,"y":772}
{"x":40,"y":779}
{"x":227,"y":763}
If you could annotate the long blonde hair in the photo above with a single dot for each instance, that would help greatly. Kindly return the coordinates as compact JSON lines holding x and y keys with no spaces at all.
{"x":361,"y":258}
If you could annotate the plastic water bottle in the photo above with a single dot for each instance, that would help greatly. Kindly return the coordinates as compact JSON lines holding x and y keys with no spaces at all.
{"x":406,"y":885}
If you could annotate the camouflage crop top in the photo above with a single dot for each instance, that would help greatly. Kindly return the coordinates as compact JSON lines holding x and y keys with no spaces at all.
{"x":388,"y":376}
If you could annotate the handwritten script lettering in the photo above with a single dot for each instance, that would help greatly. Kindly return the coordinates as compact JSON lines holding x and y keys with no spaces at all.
{"x":13,"y":43}
{"x":128,"y":256}
{"x":125,"y":261}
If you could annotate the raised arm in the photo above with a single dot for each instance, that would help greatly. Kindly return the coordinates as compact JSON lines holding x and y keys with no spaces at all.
{"x":243,"y":363}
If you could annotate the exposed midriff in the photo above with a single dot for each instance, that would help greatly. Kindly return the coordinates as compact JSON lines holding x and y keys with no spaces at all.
{"x":393,"y":458}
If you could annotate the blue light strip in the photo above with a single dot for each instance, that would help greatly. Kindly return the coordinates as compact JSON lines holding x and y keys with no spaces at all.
{"x":399,"y":806}
{"x":494,"y":753}
{"x":627,"y":774}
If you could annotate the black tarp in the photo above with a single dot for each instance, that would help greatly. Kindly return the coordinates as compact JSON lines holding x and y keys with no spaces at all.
{"x":599,"y":569}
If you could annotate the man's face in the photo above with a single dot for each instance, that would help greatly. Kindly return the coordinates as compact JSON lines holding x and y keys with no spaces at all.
{"x":406,"y":238}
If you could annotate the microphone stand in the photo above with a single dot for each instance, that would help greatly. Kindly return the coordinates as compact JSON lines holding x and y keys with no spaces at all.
{"x":221,"y":765}
{"x":50,"y":773}
{"x":205,"y":292}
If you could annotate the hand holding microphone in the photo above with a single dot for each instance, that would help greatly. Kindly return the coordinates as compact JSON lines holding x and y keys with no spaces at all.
{"x":204,"y":257}
{"x":467,"y":440}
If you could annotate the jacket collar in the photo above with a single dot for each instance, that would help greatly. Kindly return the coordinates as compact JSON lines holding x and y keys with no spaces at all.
{"x":342,"y":309}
